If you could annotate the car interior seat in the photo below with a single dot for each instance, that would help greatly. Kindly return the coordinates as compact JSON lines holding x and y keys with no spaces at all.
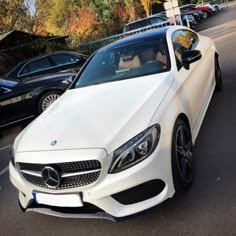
{"x":129,"y":62}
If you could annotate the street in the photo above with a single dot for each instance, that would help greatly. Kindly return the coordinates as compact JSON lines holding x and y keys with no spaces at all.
{"x":208,"y":208}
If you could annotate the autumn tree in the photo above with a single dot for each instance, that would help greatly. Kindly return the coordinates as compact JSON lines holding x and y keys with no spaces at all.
{"x":82,"y":20}
{"x":130,"y":9}
{"x":36,"y":13}
{"x":12,"y":15}
{"x":25,"y":15}
{"x":82,"y":25}
{"x":147,"y":5}
{"x":58,"y":15}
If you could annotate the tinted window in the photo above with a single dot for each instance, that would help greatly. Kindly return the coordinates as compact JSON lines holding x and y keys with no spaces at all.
{"x":136,"y":25}
{"x":141,"y":24}
{"x":156,"y":20}
{"x":64,"y":59}
{"x":183,"y":40}
{"x":36,"y":65}
{"x":130,"y":27}
{"x":129,"y":61}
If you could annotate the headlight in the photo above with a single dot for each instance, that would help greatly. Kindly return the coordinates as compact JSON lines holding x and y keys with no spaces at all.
{"x":135,"y":150}
{"x":12,"y":156}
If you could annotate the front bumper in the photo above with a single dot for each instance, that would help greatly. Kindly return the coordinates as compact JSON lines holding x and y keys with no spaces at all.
{"x":106,"y":195}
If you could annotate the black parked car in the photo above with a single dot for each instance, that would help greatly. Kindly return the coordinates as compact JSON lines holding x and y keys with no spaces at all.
{"x":47,"y":64}
{"x":24,"y":99}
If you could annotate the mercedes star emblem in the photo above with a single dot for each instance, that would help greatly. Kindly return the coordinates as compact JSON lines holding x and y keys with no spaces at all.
{"x":51,"y":177}
{"x":54,"y":142}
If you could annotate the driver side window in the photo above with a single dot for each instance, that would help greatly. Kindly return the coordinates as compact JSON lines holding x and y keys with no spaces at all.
{"x":183,"y":40}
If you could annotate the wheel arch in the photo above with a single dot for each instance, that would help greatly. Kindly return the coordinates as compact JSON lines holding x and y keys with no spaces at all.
{"x":184,"y":118}
{"x":37,"y":94}
{"x":40,"y":91}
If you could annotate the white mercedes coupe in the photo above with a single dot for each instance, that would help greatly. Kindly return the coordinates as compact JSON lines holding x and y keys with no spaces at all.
{"x":120,"y":140}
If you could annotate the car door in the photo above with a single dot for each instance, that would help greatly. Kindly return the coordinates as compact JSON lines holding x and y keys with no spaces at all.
{"x":197,"y":82}
{"x":13,"y":105}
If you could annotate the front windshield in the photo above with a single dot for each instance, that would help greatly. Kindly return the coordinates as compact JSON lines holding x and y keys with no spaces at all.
{"x":126,"y":62}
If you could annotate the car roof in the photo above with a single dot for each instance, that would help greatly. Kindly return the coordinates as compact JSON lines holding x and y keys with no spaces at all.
{"x":140,"y":37}
{"x":52,"y":53}
{"x":143,"y":19}
{"x":43,"y":55}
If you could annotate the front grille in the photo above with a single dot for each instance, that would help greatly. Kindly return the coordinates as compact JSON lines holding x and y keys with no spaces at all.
{"x":91,"y":171}
{"x":64,"y":167}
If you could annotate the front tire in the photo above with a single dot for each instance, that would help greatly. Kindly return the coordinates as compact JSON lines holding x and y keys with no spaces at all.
{"x":183,"y":166}
{"x":47,"y":99}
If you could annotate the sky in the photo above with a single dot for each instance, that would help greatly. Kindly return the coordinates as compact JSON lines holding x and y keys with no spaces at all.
{"x":31,"y":5}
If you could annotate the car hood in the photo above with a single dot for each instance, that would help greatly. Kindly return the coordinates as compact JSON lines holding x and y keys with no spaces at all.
{"x":99,"y":116}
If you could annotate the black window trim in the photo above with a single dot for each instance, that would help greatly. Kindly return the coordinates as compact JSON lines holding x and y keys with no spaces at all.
{"x":19,"y":73}
{"x":51,"y":67}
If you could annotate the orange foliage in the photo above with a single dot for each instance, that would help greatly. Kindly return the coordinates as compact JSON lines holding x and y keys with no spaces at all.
{"x":82,"y":23}
{"x":184,"y":39}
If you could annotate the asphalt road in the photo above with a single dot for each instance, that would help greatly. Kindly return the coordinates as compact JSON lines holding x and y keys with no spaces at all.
{"x":208,"y":208}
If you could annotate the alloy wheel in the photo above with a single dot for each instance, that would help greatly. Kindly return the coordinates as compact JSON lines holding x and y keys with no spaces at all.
{"x":184,"y":154}
{"x":47,"y":101}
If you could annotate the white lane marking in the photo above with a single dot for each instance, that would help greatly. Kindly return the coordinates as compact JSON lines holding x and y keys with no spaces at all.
{"x":3,"y":171}
{"x":6,"y":147}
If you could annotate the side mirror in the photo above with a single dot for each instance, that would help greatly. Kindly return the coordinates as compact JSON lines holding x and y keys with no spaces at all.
{"x":189,"y":57}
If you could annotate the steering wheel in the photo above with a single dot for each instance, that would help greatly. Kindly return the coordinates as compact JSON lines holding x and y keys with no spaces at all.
{"x":153,"y":65}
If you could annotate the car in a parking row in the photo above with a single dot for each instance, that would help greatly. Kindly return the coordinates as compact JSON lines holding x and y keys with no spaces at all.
{"x":190,"y":16}
{"x":59,"y":61}
{"x":22,"y":100}
{"x":186,"y":19}
{"x":214,"y":5}
{"x":31,"y":86}
{"x":121,"y":139}
{"x":191,"y":8}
